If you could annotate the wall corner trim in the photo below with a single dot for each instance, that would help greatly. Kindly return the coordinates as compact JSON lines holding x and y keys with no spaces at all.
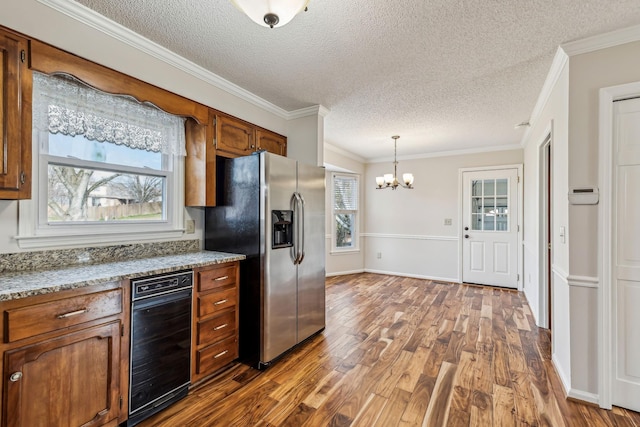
{"x":559,"y":61}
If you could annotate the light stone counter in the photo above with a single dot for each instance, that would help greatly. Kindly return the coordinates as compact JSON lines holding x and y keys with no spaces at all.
{"x":21,"y":284}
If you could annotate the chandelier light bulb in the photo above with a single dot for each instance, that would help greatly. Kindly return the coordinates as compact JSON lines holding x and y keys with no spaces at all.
{"x":391,"y":179}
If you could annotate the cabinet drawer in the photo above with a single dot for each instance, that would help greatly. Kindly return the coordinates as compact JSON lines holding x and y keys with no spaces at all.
{"x":216,"y":328}
{"x":216,"y":356}
{"x":38,"y":319}
{"x":217,"y":278}
{"x":216,"y":301}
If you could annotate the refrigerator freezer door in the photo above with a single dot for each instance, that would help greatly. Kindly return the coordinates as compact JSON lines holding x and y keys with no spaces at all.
{"x":311,"y":271}
{"x":278,"y":294}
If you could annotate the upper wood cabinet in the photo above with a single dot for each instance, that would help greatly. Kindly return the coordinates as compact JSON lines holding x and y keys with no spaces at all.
{"x":15,"y":117}
{"x":225,"y":136}
{"x":235,"y":137}
{"x":272,"y":142}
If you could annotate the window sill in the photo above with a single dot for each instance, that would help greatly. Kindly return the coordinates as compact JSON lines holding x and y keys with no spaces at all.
{"x":344,"y":251}
{"x":69,"y":240}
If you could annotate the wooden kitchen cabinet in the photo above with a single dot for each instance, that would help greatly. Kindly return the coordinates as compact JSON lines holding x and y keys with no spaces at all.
{"x":272,"y":142}
{"x":215,"y":320}
{"x":235,"y":137}
{"x":65,"y":358}
{"x":15,"y":117}
{"x":225,"y":136}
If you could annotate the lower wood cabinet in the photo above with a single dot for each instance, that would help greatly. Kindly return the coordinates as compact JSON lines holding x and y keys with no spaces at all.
{"x":70,"y":368}
{"x":215,"y":320}
{"x":66,"y":381}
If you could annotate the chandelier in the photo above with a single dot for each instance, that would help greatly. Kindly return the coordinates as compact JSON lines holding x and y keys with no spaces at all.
{"x":389,"y":180}
{"x":271,"y":13}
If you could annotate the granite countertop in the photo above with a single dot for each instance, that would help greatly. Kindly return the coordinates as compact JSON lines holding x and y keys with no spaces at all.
{"x":23,"y":284}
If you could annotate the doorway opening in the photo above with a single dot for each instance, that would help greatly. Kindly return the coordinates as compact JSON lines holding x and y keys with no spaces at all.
{"x":546,"y":248}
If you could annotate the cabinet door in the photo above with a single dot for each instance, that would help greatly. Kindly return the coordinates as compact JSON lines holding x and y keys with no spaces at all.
{"x":68,"y":381}
{"x":272,"y":142}
{"x":234,"y":136}
{"x":15,"y":118}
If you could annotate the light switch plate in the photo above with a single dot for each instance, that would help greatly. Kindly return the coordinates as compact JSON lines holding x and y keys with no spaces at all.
{"x":190,"y":226}
{"x":447,"y":221}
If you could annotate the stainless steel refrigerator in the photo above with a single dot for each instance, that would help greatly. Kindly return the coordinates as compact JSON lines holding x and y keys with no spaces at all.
{"x":271,"y":209}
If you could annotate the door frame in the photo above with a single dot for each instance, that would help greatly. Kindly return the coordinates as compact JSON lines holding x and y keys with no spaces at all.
{"x":605,"y":231}
{"x":520,"y":216}
{"x":545,"y":223}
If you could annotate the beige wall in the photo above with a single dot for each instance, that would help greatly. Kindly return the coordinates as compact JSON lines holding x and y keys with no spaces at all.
{"x":588,"y":73}
{"x":572,"y":113}
{"x":407,"y":226}
{"x":554,"y":119}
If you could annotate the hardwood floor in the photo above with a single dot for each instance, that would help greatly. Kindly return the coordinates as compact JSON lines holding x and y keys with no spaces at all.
{"x":402,"y":352}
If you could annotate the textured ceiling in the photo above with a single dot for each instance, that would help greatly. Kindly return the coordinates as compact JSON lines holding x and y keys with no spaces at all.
{"x":443,"y":74}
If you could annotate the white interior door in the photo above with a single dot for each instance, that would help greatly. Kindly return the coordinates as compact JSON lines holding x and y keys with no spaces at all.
{"x":490,"y":227}
{"x":626,"y":255}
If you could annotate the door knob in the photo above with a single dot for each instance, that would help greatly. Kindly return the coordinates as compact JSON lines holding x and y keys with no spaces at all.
{"x":466,"y":228}
{"x":466,"y":236}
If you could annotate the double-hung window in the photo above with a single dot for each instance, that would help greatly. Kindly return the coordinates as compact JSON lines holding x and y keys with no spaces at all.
{"x":106,"y":166}
{"x":345,"y":212}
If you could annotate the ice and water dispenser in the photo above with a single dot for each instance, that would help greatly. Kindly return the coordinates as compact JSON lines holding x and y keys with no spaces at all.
{"x":282,"y":229}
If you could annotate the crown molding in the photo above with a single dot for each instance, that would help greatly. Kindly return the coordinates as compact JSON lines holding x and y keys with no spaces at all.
{"x":602,"y":41}
{"x":308,"y":111}
{"x":559,"y":61}
{"x":448,"y":153}
{"x":344,"y":153}
{"x":112,"y":29}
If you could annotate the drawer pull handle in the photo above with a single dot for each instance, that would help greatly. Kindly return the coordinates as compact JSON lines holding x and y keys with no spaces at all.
{"x":217,"y":279}
{"x":15,"y":376}
{"x":222,"y":301}
{"x":221,"y":354}
{"x":72,"y":313}
{"x":217,"y":328}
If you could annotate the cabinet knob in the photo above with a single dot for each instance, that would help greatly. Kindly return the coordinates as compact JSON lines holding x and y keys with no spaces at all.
{"x":253,"y":146}
{"x":15,"y":376}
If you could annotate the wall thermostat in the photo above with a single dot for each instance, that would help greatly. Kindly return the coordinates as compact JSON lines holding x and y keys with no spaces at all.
{"x":583,"y":196}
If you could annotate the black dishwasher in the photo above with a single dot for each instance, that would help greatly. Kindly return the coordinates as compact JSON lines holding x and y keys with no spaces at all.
{"x":160,"y":364}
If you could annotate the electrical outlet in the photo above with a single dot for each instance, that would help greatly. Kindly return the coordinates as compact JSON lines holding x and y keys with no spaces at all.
{"x":190,"y":226}
{"x":448,"y":221}
{"x":379,"y":255}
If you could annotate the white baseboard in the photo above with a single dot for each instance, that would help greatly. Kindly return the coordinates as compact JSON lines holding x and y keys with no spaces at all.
{"x":344,"y":273}
{"x":572,"y":392}
{"x":415,"y":276}
{"x":564,"y":380}
{"x":584,"y":396}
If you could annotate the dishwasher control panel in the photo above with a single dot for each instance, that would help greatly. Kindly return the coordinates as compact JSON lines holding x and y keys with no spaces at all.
{"x":146,"y":287}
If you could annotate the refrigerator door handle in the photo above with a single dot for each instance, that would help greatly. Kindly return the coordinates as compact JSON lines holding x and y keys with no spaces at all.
{"x":302,"y":215}
{"x":294,"y":248}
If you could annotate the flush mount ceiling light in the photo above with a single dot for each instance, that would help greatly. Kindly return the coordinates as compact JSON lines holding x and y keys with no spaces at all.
{"x":389,"y":180}
{"x":271,"y":13}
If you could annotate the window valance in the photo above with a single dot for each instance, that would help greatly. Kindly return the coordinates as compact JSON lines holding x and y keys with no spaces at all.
{"x":62,"y":104}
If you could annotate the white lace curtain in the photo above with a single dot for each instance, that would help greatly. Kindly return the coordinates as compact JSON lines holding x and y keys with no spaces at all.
{"x":62,"y":104}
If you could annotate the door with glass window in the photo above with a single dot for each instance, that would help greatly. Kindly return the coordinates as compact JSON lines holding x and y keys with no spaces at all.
{"x":490,"y":227}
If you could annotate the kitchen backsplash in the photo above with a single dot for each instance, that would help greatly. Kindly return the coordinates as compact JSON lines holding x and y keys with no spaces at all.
{"x":57,"y":258}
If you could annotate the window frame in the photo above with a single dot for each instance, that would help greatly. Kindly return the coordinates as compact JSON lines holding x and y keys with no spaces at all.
{"x":34,"y":230}
{"x":334,"y":212}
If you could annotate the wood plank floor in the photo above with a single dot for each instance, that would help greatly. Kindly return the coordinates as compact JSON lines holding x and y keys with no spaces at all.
{"x":402,"y":352}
